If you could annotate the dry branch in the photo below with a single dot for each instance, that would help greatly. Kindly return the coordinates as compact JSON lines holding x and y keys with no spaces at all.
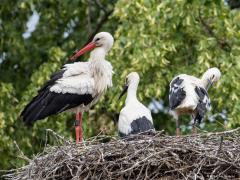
{"x":203,"y":156}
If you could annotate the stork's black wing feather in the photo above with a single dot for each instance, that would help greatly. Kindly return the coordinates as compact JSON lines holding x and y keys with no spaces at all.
{"x":203,"y":104}
{"x":42,"y":92}
{"x":177,"y":93}
{"x":141,"y":125}
{"x":47,"y":103}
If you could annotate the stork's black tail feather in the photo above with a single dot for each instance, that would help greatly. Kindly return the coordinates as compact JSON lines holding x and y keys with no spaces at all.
{"x":202,"y":104}
{"x":31,"y":112}
{"x":47,"y":103}
{"x":177,"y":93}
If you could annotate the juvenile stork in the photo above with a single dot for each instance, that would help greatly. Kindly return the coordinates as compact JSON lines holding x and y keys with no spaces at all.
{"x":134,"y":116}
{"x":188,"y":95}
{"x":76,"y":87}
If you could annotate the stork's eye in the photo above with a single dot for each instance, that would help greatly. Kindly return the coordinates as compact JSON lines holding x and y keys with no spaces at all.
{"x":97,"y":39}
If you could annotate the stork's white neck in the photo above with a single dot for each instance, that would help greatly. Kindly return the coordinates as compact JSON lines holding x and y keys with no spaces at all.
{"x":132,"y":92}
{"x":101,"y":70}
{"x":97,"y":54}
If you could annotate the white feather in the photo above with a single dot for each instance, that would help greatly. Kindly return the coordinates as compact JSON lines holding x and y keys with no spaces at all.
{"x":78,"y":84}
{"x":189,"y":84}
{"x":132,"y":111}
{"x":92,"y":77}
{"x":76,"y":68}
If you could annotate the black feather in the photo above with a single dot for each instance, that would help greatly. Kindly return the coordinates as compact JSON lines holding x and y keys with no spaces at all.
{"x":122,"y":134}
{"x":53,"y":78}
{"x":139,"y":125}
{"x":47,"y":103}
{"x":202,"y":106}
{"x":177,"y":82}
{"x":177,"y":94}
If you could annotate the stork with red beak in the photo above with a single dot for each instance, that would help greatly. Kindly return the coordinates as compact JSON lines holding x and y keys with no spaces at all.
{"x":76,"y":87}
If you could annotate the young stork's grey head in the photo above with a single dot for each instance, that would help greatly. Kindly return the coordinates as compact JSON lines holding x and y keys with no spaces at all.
{"x":211,"y":76}
{"x":131,"y":81}
{"x":103,"y":40}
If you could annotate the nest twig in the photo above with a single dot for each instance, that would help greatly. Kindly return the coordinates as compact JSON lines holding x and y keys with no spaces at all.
{"x":203,"y":156}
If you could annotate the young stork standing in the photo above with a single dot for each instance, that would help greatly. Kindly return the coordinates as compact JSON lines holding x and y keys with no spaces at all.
{"x":188,"y":95}
{"x":134,"y":116}
{"x":76,"y":87}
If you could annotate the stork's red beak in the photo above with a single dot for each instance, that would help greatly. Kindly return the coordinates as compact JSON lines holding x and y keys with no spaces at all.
{"x":87,"y":48}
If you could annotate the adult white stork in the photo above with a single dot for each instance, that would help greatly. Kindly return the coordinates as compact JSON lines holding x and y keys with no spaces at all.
{"x":76,"y":87}
{"x":188,"y":95}
{"x":134,"y":116}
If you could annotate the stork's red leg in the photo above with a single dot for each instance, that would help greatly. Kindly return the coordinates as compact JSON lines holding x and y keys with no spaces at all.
{"x":81,"y":125}
{"x":78,"y":127}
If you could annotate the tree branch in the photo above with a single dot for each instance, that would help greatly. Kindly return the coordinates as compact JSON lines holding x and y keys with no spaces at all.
{"x":99,"y":26}
{"x":89,"y":23}
{"x":97,"y":2}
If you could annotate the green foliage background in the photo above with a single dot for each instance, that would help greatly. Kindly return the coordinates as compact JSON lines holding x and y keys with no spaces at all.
{"x":158,"y":39}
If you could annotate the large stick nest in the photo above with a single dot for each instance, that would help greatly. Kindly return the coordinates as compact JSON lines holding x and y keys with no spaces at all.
{"x":203,"y":156}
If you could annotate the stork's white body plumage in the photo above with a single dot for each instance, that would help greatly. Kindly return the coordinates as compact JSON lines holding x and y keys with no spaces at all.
{"x":188,"y":95}
{"x":134,"y":116}
{"x":133,"y":110}
{"x":191,"y":99}
{"x":81,"y":78}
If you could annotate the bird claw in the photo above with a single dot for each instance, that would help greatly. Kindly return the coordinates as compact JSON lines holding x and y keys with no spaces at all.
{"x":81,"y":143}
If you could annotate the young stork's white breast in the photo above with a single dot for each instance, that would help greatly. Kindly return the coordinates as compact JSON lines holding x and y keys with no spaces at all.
{"x":132,"y":111}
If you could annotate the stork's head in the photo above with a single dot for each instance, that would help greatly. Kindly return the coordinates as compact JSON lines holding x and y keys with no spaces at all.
{"x":211,"y":76}
{"x":132,"y":79}
{"x":101,"y":40}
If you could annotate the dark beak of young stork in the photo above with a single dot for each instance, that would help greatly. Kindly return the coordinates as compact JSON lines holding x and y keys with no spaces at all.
{"x":125,"y":88}
{"x":82,"y":51}
{"x":210,"y":82}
